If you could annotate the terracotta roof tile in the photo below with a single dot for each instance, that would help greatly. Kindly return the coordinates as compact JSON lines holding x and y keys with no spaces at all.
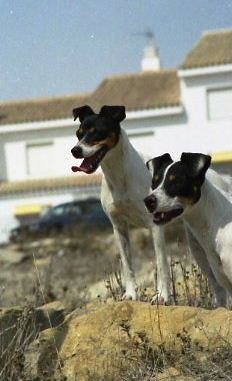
{"x":40,"y":109}
{"x":214,"y":48}
{"x":139,"y":91}
{"x":49,"y":184}
{"x":135,"y":91}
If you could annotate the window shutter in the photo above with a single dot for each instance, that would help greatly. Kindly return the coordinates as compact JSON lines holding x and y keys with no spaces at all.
{"x":220,"y":103}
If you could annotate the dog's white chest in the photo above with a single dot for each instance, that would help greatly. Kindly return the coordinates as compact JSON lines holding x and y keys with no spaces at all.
{"x":224,"y":248}
{"x":129,"y":210}
{"x":126,"y":208}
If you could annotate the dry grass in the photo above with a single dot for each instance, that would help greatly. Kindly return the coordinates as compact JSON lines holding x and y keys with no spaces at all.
{"x":140,"y":361}
{"x":89,"y":259}
{"x":14,"y":340}
{"x":189,"y":286}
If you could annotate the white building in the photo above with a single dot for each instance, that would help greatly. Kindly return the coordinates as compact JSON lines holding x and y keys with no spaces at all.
{"x":188,"y":109}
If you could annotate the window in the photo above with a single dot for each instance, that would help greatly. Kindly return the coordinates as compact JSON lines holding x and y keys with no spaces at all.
{"x":92,"y":207}
{"x":40,"y":159}
{"x":59,"y":210}
{"x":73,"y":209}
{"x":219,"y":103}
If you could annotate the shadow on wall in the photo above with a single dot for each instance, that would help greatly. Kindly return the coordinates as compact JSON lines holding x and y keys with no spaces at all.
{"x":225,"y":168}
{"x":3,"y":171}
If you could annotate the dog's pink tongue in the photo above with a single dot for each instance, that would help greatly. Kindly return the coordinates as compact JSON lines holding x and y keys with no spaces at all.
{"x":82,"y":168}
{"x":75,"y":169}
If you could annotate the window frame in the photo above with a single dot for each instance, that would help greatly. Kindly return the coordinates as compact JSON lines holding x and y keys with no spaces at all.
{"x":35,"y":144}
{"x":216,"y":88}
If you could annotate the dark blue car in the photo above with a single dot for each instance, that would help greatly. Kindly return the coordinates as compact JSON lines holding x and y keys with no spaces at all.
{"x":64,"y":217}
{"x":87,"y":212}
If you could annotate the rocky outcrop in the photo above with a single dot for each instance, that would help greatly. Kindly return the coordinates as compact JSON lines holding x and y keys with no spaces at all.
{"x":18,"y":327}
{"x":111,"y":341}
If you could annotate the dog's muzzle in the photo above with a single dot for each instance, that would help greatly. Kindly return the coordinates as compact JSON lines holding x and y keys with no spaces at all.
{"x":151,"y":203}
{"x":90,"y":163}
{"x":77,"y":152}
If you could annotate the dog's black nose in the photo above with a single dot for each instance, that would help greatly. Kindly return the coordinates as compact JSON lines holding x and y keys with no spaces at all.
{"x":77,"y":152}
{"x":151,"y":203}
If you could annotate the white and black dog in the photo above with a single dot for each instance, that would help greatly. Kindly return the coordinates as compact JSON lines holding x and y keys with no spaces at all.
{"x":182,"y":189}
{"x":126,"y":182}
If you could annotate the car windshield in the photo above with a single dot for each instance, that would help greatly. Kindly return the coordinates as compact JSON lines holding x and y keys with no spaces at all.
{"x":73,"y":209}
{"x":56,"y":211}
{"x":91,"y":207}
{"x":61,"y":210}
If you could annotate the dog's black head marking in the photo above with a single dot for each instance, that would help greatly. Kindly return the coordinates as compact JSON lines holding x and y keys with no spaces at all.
{"x":176,"y":185}
{"x":185,"y":177}
{"x":82,"y":112}
{"x":117,"y":113}
{"x":157,"y":167}
{"x":98,"y":127}
{"x":100,"y":131}
{"x":196,"y":164}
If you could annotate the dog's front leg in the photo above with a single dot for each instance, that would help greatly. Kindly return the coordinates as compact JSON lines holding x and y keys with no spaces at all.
{"x":201,"y":258}
{"x":163,"y":269}
{"x":122,"y":237}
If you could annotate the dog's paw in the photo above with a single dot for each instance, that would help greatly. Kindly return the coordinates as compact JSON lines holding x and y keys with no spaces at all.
{"x":131,"y":295}
{"x":160,"y":299}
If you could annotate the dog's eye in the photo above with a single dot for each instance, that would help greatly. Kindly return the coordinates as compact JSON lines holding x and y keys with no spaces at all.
{"x":172,"y":178}
{"x":80,"y":133}
{"x":155,"y":181}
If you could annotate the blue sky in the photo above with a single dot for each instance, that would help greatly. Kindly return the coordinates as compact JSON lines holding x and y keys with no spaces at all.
{"x":53,"y":47}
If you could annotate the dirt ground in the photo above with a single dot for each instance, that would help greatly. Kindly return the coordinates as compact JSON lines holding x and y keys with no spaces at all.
{"x":80,"y":270}
{"x":80,"y":266}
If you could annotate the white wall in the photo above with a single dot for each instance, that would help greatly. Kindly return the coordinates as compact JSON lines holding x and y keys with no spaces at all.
{"x":16,"y":157}
{"x":63,"y":139}
{"x":189,"y":130}
{"x":193,"y":93}
{"x":151,"y":136}
{"x":208,"y":139}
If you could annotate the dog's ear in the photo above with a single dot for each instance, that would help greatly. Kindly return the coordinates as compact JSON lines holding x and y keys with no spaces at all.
{"x":197,"y":164}
{"x":82,"y":112}
{"x":157,"y":162}
{"x":117,"y":113}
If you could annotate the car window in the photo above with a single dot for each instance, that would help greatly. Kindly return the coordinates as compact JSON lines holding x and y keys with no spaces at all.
{"x":73,"y":209}
{"x":59,"y":210}
{"x":92,"y":207}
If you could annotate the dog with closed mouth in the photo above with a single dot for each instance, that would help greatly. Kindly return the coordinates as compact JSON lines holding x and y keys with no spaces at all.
{"x":126,"y":181}
{"x":182,"y":189}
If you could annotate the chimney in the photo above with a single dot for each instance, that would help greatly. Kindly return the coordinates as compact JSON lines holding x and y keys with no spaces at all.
{"x":151,"y":60}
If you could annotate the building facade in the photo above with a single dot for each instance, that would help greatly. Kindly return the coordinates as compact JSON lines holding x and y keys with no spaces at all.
{"x":186,"y":109}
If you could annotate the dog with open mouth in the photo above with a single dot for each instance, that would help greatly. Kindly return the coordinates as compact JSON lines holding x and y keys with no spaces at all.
{"x":181,"y":189}
{"x":97,"y":135}
{"x":125,"y":183}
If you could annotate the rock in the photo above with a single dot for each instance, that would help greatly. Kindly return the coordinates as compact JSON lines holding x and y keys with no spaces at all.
{"x":20,"y":325}
{"x":172,"y":374}
{"x":145,"y":277}
{"x":108,"y":343}
{"x":40,"y":262}
{"x":40,"y":246}
{"x":11,"y":257}
{"x":50,"y":314}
